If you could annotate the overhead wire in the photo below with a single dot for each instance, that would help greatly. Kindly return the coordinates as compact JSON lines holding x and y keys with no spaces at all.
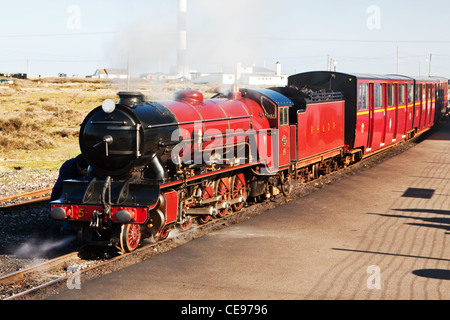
{"x":46,"y":35}
{"x":355,"y":40}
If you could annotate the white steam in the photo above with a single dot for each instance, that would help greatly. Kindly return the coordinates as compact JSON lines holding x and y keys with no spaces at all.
{"x":35,"y":248}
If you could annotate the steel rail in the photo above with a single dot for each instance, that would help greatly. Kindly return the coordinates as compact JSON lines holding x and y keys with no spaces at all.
{"x":37,"y":194}
{"x":43,"y":269}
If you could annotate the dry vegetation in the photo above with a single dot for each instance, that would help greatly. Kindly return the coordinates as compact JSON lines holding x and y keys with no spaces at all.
{"x":39,"y":119}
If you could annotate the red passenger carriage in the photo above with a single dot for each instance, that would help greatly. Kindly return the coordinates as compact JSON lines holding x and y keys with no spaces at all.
{"x":382,"y":117}
{"x":380,"y":110}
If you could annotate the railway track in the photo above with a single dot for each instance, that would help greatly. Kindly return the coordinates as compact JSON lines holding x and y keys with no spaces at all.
{"x":32,"y":277}
{"x":51,"y":277}
{"x":31,"y":197}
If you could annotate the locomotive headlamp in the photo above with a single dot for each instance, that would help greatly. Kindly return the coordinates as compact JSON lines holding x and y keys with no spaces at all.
{"x":125,"y":216}
{"x":58,"y":214}
{"x":108,"y":106}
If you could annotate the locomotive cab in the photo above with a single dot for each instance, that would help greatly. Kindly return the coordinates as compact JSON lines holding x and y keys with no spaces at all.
{"x":275,"y":108}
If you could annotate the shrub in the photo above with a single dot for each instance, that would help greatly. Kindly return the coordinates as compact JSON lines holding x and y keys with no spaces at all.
{"x":11,"y":125}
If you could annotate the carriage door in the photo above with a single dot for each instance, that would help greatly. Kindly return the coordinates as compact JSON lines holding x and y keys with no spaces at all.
{"x":385,"y":103}
{"x":371,"y":115}
{"x":284,"y":151}
{"x":396,"y":113}
{"x":426,"y":102}
{"x":430,"y":104}
{"x":423,"y":105}
{"x":417,"y":106}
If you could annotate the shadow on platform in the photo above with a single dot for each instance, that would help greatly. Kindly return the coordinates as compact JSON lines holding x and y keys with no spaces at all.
{"x":438,"y":274}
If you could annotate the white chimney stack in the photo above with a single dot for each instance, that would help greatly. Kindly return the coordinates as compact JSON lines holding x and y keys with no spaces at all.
{"x":279,"y":68}
{"x":182,"y":69}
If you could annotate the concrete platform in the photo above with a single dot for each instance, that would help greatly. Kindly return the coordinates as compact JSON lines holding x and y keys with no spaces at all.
{"x":381,"y":234}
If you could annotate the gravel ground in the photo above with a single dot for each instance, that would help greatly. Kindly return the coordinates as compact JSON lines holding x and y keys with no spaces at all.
{"x":28,"y":235}
{"x":21,"y":181}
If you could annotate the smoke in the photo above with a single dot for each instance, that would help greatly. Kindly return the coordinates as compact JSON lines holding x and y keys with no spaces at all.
{"x":36,"y":248}
{"x":224,"y":32}
{"x":145,"y":42}
{"x":220,"y":34}
{"x":144,"y":46}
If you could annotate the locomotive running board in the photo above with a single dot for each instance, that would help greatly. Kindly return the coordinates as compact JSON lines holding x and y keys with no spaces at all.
{"x":123,"y":193}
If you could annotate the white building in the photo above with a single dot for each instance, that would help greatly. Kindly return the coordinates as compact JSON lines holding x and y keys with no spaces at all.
{"x":216,"y":77}
{"x":253,"y":76}
{"x":110,"y":74}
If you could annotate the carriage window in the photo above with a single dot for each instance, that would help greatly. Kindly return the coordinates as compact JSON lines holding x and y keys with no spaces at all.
{"x":418,"y":90}
{"x":401,"y":94}
{"x":410,"y":94}
{"x":363,"y":102}
{"x":390,"y":95}
{"x":378,"y":96}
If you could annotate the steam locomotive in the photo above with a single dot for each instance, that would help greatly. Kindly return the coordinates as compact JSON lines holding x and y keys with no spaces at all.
{"x":155,"y":166}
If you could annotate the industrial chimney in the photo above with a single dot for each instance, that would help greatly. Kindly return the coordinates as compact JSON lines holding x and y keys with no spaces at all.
{"x":278,"y":68}
{"x":182,"y":68}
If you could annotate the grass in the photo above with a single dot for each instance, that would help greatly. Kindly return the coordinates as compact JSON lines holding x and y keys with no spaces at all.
{"x":39,"y":119}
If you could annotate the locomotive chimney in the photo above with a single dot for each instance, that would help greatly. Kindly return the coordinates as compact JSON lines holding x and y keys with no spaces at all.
{"x":131,"y":99}
{"x":235,"y":94}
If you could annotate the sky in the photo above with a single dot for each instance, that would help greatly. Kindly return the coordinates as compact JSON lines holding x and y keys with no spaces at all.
{"x":76,"y":37}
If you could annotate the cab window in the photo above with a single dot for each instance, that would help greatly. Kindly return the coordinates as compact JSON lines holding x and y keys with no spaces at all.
{"x":269,"y":108}
{"x":284,"y":118}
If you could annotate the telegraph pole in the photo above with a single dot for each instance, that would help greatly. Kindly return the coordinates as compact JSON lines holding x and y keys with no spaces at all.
{"x":397,"y":60}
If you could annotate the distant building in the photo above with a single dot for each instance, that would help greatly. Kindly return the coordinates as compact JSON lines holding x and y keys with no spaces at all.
{"x":215,"y":77}
{"x":16,"y":75}
{"x":259,"y":76}
{"x":253,"y":76}
{"x":110,"y":74}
